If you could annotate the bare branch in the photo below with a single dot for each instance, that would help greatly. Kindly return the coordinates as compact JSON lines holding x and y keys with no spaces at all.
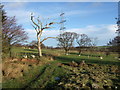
{"x":33,"y":21}
{"x":39,"y":22}
{"x":51,"y":23}
{"x":47,"y":38}
{"x":34,"y":27}
{"x":45,"y":28}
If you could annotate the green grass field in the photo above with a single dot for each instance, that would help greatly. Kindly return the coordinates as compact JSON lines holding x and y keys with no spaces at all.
{"x":51,"y":74}
{"x":59,"y":56}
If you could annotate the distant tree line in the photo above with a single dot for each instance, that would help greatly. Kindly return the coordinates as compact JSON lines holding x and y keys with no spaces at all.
{"x":67,"y":39}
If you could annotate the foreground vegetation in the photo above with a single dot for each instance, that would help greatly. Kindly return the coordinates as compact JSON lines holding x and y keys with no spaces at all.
{"x":58,"y":71}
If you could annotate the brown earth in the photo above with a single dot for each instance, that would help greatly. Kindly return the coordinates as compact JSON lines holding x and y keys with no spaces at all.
{"x":15,"y":68}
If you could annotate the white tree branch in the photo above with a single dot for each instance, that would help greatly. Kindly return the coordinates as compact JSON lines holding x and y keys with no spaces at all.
{"x":34,"y":22}
{"x":46,"y":39}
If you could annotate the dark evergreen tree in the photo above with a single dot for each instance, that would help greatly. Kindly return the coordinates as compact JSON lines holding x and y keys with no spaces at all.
{"x":115,"y":43}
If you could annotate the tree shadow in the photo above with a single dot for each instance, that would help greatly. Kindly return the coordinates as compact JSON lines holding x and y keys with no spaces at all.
{"x":33,"y":50}
{"x":82,"y":54}
{"x":95,"y":61}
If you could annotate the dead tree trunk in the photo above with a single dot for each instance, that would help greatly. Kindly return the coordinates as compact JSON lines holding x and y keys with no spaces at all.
{"x":38,"y":26}
{"x":39,"y":46}
{"x":80,"y":51}
{"x":66,"y":52}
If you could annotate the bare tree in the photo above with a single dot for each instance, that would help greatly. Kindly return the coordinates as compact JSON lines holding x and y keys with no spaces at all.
{"x":94,"y":41}
{"x":12,"y":34}
{"x":83,"y":41}
{"x":40,"y":27}
{"x":66,"y":40}
{"x":115,"y":43}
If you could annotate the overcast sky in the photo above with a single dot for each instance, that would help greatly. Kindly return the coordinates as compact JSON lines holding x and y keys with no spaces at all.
{"x":96,"y":19}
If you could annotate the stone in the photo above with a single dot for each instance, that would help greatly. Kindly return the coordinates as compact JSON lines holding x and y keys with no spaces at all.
{"x":34,"y":61}
{"x":95,"y":86}
{"x":24,"y":60}
{"x":24,"y":56}
{"x":82,"y":63}
{"x":33,"y":56}
{"x":73,"y":63}
{"x":88,"y":56}
{"x":67,"y":54}
{"x":101,"y":57}
{"x":15,"y":59}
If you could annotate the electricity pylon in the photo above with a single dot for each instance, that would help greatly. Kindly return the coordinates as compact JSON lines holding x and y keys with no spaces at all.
{"x":62,"y":21}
